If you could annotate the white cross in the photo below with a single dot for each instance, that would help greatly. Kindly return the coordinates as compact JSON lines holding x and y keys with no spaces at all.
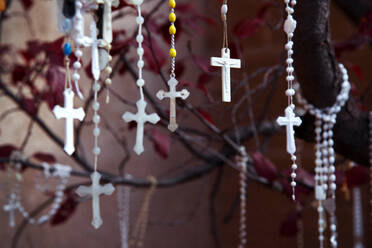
{"x":94,"y":44}
{"x":107,"y":18}
{"x":290,"y":120}
{"x":141,"y":118}
{"x":78,"y":22}
{"x":10,"y":207}
{"x":172,"y":95}
{"x":226,"y":63}
{"x":95,"y":190}
{"x":69,"y":113}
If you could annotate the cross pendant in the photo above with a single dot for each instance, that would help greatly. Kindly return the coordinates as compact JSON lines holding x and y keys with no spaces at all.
{"x":172,"y":95}
{"x":226,"y":63}
{"x":69,"y":113}
{"x":10,"y":207}
{"x":95,"y":191}
{"x":141,"y":118}
{"x":107,"y":18}
{"x":289,"y":121}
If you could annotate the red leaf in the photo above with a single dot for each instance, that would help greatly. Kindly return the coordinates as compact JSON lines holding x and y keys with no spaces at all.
{"x":289,"y":227}
{"x":66,"y":210}
{"x":161,"y":143}
{"x":203,"y":79}
{"x":53,"y":51}
{"x":27,"y":4}
{"x":121,"y":5}
{"x":44,"y":157}
{"x":264,"y":167}
{"x":6,"y":150}
{"x":18,"y":73}
{"x":29,"y":105}
{"x":153,"y":63}
{"x":357,"y":175}
{"x":247,"y":27}
{"x":203,"y":63}
{"x":358,"y":71}
{"x":206,"y":116}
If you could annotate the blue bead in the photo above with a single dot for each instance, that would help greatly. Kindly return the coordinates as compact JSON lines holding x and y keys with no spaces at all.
{"x":67,"y":49}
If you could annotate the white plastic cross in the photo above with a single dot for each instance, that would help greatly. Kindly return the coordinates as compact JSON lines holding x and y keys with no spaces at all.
{"x":107,"y":18}
{"x":69,"y":113}
{"x":95,"y":190}
{"x":290,"y":120}
{"x":226,"y":63}
{"x":95,"y":57}
{"x":10,"y":207}
{"x":172,"y":95}
{"x":141,"y":118}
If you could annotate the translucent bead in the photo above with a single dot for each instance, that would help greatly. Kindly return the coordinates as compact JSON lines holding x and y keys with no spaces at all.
{"x":140,"y":64}
{"x":140,"y":51}
{"x":109,"y":58}
{"x":75,"y":76}
{"x":290,"y":92}
{"x":140,"y":82}
{"x":293,"y":175}
{"x":67,"y":49}
{"x":96,"y":87}
{"x":95,"y":106}
{"x":224,"y":9}
{"x":96,"y":131}
{"x":289,"y":61}
{"x":96,"y":119}
{"x":78,"y":53}
{"x":77,"y":65}
{"x":139,"y":38}
{"x":293,"y":184}
{"x":140,"y":20}
{"x":294,"y":166}
{"x":96,"y":150}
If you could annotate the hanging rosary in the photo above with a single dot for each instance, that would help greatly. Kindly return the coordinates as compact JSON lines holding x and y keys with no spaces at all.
{"x":95,"y":190}
{"x":140,"y":228}
{"x":173,"y":94}
{"x":14,"y":178}
{"x":225,"y":61}
{"x":68,"y":112}
{"x":123,"y":198}
{"x":325,"y":178}
{"x":141,"y":117}
{"x":242,"y":161}
{"x":290,"y":120}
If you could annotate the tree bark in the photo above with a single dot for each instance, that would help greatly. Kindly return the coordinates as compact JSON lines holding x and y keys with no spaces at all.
{"x":320,"y":79}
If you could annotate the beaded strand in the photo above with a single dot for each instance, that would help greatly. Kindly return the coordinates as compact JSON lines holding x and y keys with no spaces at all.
{"x":172,"y":32}
{"x":242,"y":161}
{"x":325,"y":177}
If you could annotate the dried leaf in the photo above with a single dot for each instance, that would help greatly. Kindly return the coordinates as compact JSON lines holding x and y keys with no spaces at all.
{"x":44,"y":157}
{"x":356,"y":176}
{"x":66,"y":210}
{"x":264,"y":167}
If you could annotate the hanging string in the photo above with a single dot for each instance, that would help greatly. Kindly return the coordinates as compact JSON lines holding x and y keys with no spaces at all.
{"x":224,"y":8}
{"x":140,"y":228}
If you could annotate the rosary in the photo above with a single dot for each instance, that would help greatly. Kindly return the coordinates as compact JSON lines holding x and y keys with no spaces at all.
{"x":141,"y":117}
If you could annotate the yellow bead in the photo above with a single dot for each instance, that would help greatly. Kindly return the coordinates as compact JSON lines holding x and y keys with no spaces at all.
{"x":172,"y":53}
{"x":172,"y":29}
{"x":172,"y":4}
{"x":172,"y":17}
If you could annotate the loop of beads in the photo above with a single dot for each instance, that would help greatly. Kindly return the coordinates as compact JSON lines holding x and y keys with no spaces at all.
{"x":325,"y":178}
{"x":242,"y":161}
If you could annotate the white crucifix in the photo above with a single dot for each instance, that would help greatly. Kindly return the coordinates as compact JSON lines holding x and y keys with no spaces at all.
{"x":172,"y":95}
{"x":290,"y":120}
{"x":107,"y":18}
{"x":226,"y":63}
{"x":95,"y":190}
{"x":69,"y":113}
{"x":95,"y":54}
{"x":141,"y":118}
{"x":10,"y":207}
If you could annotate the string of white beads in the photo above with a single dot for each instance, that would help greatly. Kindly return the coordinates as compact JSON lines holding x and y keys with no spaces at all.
{"x":96,"y":120}
{"x":242,"y":161}
{"x":58,"y":171}
{"x":325,"y":177}
{"x":123,"y":198}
